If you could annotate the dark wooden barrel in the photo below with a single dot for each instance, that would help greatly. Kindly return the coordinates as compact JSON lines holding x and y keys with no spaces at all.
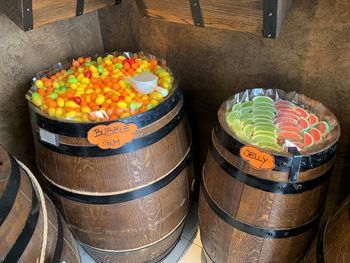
{"x":21,"y":220}
{"x":126,"y":204}
{"x":250,"y":215}
{"x":332,"y":244}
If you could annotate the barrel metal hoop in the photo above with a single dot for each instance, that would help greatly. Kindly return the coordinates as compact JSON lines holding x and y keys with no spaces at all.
{"x":257,"y":231}
{"x":80,"y":7}
{"x":133,"y":250}
{"x":24,"y":238}
{"x":76,"y":129}
{"x":59,"y":243}
{"x":8,"y":197}
{"x":136,"y":144}
{"x":282,"y":163}
{"x":122,"y":197}
{"x":265,"y":184}
{"x":319,"y":246}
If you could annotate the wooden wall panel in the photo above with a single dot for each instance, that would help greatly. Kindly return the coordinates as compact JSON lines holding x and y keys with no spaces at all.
{"x":45,"y":12}
{"x":238,"y":15}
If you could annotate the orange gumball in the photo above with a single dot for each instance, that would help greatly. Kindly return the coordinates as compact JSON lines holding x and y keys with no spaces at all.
{"x":154,"y":62}
{"x":113,"y":118}
{"x":76,"y":63}
{"x":81,"y":60}
{"x":115,"y":60}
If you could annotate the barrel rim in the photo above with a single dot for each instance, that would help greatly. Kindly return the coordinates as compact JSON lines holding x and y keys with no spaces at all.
{"x":80,"y":129}
{"x":283,"y":163}
{"x":302,"y":99}
{"x":94,"y":151}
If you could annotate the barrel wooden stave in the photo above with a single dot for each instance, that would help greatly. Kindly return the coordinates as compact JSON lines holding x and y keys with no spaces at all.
{"x":150,"y":254}
{"x":17,"y":218}
{"x":336,"y":238}
{"x":139,"y":222}
{"x":223,"y":243}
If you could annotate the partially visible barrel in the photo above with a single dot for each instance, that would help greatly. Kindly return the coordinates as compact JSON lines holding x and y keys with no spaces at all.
{"x":254,"y":215}
{"x":332,"y":244}
{"x":126,"y":204}
{"x":21,"y":220}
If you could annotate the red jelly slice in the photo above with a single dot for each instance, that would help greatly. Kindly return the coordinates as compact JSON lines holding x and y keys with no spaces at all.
{"x":313,"y":120}
{"x":303,"y":113}
{"x":316,"y":134}
{"x":289,"y":136}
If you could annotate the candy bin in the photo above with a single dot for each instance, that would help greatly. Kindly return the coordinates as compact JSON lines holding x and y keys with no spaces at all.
{"x":266,"y":176}
{"x":116,"y":161}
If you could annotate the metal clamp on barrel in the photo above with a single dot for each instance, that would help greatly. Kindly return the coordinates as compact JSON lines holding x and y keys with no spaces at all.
{"x":295,"y":168}
{"x":80,"y":7}
{"x":196,"y":13}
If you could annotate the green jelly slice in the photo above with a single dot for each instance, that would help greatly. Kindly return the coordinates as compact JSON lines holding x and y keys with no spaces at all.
{"x":264,"y":113}
{"x":246,"y":116}
{"x":233,"y":115}
{"x":272,"y":134}
{"x":263,"y":138}
{"x":269,"y":109}
{"x":270,"y":146}
{"x":236,"y":126}
{"x":262,"y":99}
{"x":246,"y":110}
{"x":247,"y":104}
{"x":237,"y":106}
{"x":258,"y":105}
{"x":248,"y":130}
{"x":265,"y":129}
{"x":247,"y":122}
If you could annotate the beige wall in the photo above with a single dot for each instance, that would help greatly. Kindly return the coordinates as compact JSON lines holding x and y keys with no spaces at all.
{"x":311,"y":56}
{"x":22,"y":54}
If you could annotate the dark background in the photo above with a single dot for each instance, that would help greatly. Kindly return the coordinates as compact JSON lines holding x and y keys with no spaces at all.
{"x":311,"y":56}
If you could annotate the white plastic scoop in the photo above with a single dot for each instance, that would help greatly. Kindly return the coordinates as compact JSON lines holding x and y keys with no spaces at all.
{"x":146,"y":83}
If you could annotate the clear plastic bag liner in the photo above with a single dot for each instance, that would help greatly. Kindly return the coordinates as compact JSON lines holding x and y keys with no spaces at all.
{"x":307,"y":140}
{"x":100,"y":115}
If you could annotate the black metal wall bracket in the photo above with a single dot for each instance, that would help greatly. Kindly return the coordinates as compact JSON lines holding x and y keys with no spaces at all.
{"x":270,"y":18}
{"x":80,"y":7}
{"x":295,"y":168}
{"x":196,"y":13}
{"x":27,"y":15}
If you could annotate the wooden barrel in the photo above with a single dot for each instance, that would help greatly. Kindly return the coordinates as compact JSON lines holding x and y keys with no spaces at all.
{"x":126,"y":204}
{"x":21,"y":220}
{"x":251,"y":215}
{"x":332,"y":244}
